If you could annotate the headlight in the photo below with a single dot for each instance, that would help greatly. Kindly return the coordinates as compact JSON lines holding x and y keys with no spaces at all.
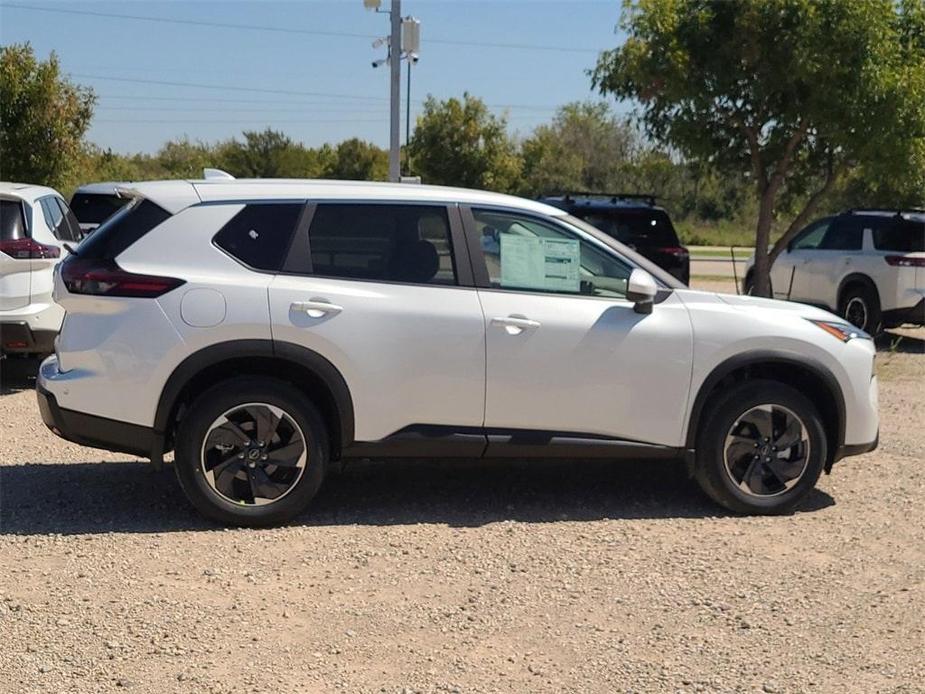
{"x":842,"y":331}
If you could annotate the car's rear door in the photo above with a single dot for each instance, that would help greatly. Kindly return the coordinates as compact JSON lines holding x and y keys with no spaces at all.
{"x":568,"y":358}
{"x":384,"y":292}
{"x":791,"y":273}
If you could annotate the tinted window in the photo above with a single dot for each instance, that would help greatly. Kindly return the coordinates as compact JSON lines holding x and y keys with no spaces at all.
{"x":651,"y":228}
{"x":902,"y":236}
{"x":54,"y":217}
{"x":393,"y":243}
{"x":845,"y":234}
{"x":524,"y":253}
{"x":12,"y":225}
{"x":70,"y":227}
{"x":260,"y":234}
{"x":94,"y":208}
{"x":811,"y":237}
{"x":122,"y":229}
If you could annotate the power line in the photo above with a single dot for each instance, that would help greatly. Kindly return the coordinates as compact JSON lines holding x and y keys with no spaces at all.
{"x":523,"y":107}
{"x":183,"y":121}
{"x":291,"y":30}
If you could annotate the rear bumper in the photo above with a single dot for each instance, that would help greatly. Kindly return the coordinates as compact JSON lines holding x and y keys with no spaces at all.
{"x":96,"y":432}
{"x":17,"y":337}
{"x":899,"y":316}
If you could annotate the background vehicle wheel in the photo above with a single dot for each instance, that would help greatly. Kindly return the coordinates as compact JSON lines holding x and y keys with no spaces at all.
{"x":860,"y":306}
{"x":748,"y":285}
{"x":761,"y":448}
{"x":251,"y":451}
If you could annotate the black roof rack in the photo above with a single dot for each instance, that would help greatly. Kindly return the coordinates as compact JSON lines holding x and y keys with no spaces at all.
{"x":614,"y":197}
{"x":894,"y":210}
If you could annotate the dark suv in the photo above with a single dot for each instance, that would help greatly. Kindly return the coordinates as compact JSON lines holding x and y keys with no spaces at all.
{"x":634,"y":220}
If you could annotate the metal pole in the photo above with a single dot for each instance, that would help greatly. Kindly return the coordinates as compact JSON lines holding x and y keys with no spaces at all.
{"x":395,"y":93}
{"x":408,"y":105}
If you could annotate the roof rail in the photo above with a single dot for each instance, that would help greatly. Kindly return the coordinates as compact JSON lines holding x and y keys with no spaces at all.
{"x":894,"y":210}
{"x":647,"y":198}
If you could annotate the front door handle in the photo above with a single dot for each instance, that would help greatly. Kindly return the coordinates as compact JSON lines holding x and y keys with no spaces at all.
{"x":515,"y":325}
{"x":315,"y":308}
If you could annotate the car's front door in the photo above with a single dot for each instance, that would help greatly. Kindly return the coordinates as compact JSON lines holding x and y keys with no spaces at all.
{"x":378,"y":290}
{"x":567,"y":355}
{"x":791,"y":274}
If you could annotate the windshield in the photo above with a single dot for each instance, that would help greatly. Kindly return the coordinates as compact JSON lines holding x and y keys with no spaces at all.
{"x":93,"y":208}
{"x":661,"y":276}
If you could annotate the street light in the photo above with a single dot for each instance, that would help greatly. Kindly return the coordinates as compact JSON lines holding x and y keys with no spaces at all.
{"x":410,"y":46}
{"x":394,"y":43}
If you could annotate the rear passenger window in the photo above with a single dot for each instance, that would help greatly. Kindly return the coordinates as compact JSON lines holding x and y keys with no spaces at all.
{"x":260,"y":234}
{"x":389,"y":243}
{"x":902,"y":236}
{"x":123,"y":229}
{"x":844,"y":235}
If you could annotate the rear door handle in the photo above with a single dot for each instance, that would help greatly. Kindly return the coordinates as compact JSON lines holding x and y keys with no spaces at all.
{"x":316,"y":308}
{"x":515,"y":325}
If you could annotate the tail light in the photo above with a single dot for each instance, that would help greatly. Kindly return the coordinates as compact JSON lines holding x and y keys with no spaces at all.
{"x":676,"y":251}
{"x":904,"y":261}
{"x":25,"y":249}
{"x":105,"y":278}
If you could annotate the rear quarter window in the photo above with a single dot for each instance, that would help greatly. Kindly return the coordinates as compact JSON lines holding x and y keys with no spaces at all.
{"x":12,"y":223}
{"x":903,"y":236}
{"x":259,"y":235}
{"x":648,"y":228}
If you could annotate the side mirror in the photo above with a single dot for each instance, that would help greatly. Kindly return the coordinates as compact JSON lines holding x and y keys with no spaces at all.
{"x":641,"y":289}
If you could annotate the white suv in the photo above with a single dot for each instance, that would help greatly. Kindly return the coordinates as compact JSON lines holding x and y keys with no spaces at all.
{"x":269,"y":330}
{"x":35,"y":224}
{"x":866,"y":265}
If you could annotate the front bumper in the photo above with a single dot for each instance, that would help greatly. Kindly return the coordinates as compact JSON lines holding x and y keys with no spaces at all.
{"x":845,"y":451}
{"x":96,"y":432}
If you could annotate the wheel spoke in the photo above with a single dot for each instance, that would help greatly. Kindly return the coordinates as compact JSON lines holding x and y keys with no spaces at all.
{"x":287,"y":455}
{"x":224,"y":475}
{"x":266,"y":421}
{"x":791,"y":435}
{"x":227,"y":434}
{"x":262,"y":487}
{"x":753,"y":479}
{"x":739,"y":450}
{"x":786,"y":470}
{"x":761,"y":421}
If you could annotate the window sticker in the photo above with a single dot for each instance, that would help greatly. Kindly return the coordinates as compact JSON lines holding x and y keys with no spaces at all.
{"x":536,"y":263}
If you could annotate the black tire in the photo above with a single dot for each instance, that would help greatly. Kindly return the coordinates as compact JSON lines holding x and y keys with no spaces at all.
{"x":303,"y":423}
{"x":861,"y":300}
{"x":712,"y":472}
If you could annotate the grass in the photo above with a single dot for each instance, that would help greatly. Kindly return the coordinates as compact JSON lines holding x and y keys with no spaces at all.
{"x":724,"y":233}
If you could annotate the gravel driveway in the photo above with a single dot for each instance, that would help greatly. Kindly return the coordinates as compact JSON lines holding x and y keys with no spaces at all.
{"x":439,"y":577}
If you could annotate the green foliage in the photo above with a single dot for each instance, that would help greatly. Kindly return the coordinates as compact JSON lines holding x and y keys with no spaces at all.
{"x":357,"y":160}
{"x":791,"y":94}
{"x":43,"y":118}
{"x":586,"y":147}
{"x":462,"y":143}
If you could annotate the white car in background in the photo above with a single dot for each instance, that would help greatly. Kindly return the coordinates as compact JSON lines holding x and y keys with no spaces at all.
{"x":35,"y":223}
{"x":868,"y":266}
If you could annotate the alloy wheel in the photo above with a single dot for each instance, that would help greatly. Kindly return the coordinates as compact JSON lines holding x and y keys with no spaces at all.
{"x":856,"y":312}
{"x":254,"y":454}
{"x":767,"y":450}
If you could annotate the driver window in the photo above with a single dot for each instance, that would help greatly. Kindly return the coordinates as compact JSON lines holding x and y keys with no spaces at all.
{"x":523,"y":253}
{"x":812,"y":236}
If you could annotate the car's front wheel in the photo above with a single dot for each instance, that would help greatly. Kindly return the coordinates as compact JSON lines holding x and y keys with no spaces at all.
{"x":761,"y":448}
{"x":251,"y":451}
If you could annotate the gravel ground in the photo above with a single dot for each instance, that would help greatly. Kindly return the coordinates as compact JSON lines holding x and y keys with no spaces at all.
{"x":433,"y":577}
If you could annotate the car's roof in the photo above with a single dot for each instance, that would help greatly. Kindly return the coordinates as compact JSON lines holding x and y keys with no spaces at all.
{"x":915,"y":215}
{"x":175,"y":195}
{"x":25,"y":191}
{"x":579,"y":202}
{"x":102,"y":188}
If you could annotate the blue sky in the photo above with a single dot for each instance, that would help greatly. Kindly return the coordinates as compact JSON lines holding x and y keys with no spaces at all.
{"x":317,"y":88}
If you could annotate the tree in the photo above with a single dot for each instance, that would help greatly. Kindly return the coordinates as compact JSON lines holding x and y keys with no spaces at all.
{"x":792,"y":94}
{"x":357,"y":160}
{"x":462,"y":143}
{"x":43,"y":118}
{"x":586,"y":147}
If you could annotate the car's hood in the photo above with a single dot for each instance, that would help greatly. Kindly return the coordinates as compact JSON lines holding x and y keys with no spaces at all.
{"x":756,"y":302}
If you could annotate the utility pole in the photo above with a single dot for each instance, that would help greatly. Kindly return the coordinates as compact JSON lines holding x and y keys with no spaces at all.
{"x":395,"y":92}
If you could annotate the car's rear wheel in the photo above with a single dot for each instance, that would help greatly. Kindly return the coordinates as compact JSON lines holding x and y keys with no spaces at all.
{"x":761,"y":449}
{"x":251,"y":451}
{"x":860,"y":306}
